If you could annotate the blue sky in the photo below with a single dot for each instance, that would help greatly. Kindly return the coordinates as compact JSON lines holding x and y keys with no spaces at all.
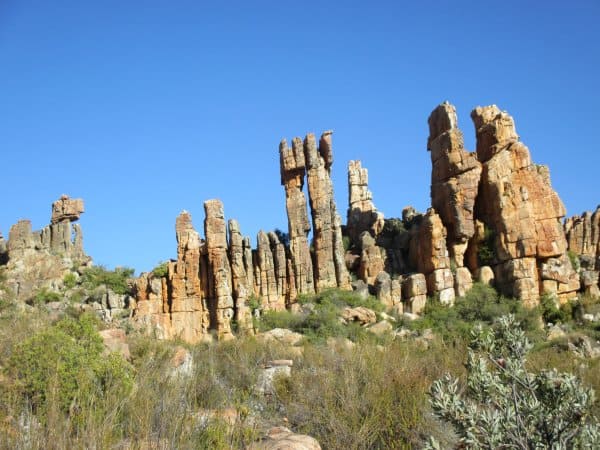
{"x":145,"y":108}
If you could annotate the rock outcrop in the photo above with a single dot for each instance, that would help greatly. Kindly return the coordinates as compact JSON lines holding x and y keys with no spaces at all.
{"x":175,"y":306}
{"x":220,"y":298}
{"x":429,"y":254}
{"x":362,"y":214}
{"x":454,"y":179}
{"x":330,"y":269}
{"x":517,"y":203}
{"x":213,"y":282}
{"x":293,"y":170}
{"x":583,"y":240}
{"x":40,"y":259}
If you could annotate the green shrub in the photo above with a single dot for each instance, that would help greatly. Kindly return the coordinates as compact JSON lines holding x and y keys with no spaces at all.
{"x":339,"y":298}
{"x":481,"y":305}
{"x":70,"y":280}
{"x":63,"y":365}
{"x":574,"y":260}
{"x":551,"y":312}
{"x":505,"y":406}
{"x":116,"y":280}
{"x":323,"y":321}
{"x":346,"y":243}
{"x":161,"y":270}
{"x":44,"y":296}
{"x":486,"y":252}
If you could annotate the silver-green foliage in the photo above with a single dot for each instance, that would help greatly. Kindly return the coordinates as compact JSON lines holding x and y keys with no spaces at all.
{"x":505,"y":406}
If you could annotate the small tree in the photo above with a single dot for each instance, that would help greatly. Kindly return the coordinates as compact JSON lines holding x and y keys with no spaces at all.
{"x":504,"y":406}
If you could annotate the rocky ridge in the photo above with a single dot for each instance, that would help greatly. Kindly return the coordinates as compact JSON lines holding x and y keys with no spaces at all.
{"x":494,"y":218}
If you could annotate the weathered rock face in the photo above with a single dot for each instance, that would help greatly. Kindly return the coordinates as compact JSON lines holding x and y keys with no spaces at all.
{"x":41,"y":259}
{"x":454,"y":179}
{"x":517,"y":202}
{"x":66,"y":209}
{"x":219,"y":269}
{"x":429,"y":254}
{"x":293,"y":169}
{"x":329,"y":268}
{"x":362,"y":214}
{"x":267,"y":278}
{"x":372,"y":259}
{"x":175,"y":306}
{"x":583,"y":240}
{"x":240,"y":256}
{"x":583,"y":233}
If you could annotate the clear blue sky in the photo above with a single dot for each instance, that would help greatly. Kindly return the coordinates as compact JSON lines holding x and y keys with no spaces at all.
{"x":145,"y":108}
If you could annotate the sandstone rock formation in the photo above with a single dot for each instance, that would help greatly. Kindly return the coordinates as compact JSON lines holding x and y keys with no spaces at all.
{"x":240,"y":256}
{"x":362,"y":214}
{"x":40,"y":259}
{"x":583,"y":240}
{"x":429,"y":255}
{"x":330,"y":269}
{"x":517,"y":202}
{"x":175,"y":306}
{"x":220,"y":298}
{"x":454,"y":179}
{"x":293,"y":169}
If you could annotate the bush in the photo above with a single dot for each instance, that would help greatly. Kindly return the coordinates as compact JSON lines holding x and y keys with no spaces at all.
{"x":323,"y":321}
{"x":552,"y":313}
{"x":365,"y":398}
{"x":70,"y":280}
{"x":574,"y":260}
{"x":63,"y":365}
{"x":162,"y":270}
{"x":481,"y":305}
{"x":44,"y":296}
{"x":486,"y":252}
{"x":504,"y":406}
{"x":116,"y":280}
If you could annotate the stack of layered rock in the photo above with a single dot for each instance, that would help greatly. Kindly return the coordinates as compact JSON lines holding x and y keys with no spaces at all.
{"x":212,"y":283}
{"x":494,"y":202}
{"x":517,"y":202}
{"x":40,"y":259}
{"x":583,"y":239}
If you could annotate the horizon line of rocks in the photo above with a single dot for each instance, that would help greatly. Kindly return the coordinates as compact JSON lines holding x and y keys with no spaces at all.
{"x":494,"y":218}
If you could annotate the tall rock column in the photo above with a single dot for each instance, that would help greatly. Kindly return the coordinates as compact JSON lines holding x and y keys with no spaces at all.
{"x":293,"y":168}
{"x":189,"y":316}
{"x":429,"y":255}
{"x":517,"y":202}
{"x":362,"y":214}
{"x":330,"y":269}
{"x":454,"y":179}
{"x":220,"y":293}
{"x":267,"y":274}
{"x":242,"y":287}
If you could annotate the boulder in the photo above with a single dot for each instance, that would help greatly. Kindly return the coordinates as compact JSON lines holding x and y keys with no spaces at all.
{"x":281,"y":438}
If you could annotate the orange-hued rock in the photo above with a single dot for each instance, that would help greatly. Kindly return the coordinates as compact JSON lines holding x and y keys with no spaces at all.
{"x":428,"y":248}
{"x":293,"y":169}
{"x":219,"y":268}
{"x":518,"y":203}
{"x":372,"y":259}
{"x":583,"y":233}
{"x":173,"y":306}
{"x":362,"y":214}
{"x":454,"y":179}
{"x":240,"y":256}
{"x":329,"y":268}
